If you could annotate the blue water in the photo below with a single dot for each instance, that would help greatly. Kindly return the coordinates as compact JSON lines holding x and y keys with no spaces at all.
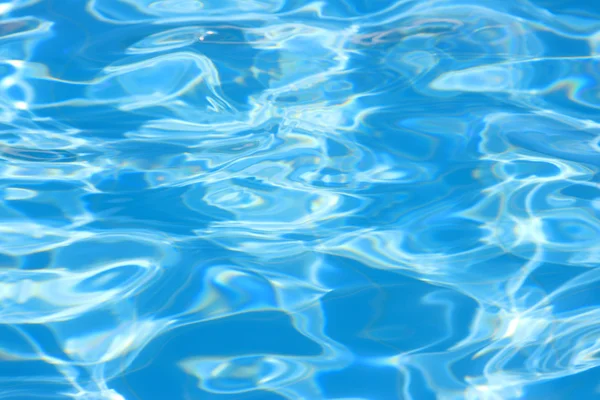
{"x":295,"y":199}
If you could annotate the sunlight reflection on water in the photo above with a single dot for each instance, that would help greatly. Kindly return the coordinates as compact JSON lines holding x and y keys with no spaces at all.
{"x":268,"y":199}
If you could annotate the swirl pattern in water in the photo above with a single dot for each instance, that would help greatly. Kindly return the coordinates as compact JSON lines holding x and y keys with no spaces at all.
{"x":296,"y":199}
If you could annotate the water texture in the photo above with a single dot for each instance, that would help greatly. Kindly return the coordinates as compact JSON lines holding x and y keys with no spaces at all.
{"x":286,"y":199}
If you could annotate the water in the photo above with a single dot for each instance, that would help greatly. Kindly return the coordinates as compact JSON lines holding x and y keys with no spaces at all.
{"x":286,"y":199}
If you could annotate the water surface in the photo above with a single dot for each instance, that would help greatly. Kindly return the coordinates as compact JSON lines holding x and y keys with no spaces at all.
{"x":286,"y":199}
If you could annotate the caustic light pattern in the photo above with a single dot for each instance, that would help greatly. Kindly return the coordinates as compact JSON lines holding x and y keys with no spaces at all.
{"x":296,"y":199}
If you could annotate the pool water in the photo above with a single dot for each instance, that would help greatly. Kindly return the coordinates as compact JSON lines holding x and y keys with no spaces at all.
{"x":295,"y":199}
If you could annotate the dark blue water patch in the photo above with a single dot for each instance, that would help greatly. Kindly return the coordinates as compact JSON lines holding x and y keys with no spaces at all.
{"x":562,"y":230}
{"x":359,"y":7}
{"x":9,"y":261}
{"x":17,"y":343}
{"x":549,"y":276}
{"x":120,"y":222}
{"x":146,"y":153}
{"x":16,"y":93}
{"x":35,"y":261}
{"x":405,"y":144}
{"x":149,"y":207}
{"x":53,"y":91}
{"x":406,"y":203}
{"x":123,"y":181}
{"x":39,"y":210}
{"x":336,"y":149}
{"x":96,"y":121}
{"x":577,"y":300}
{"x":585,"y":192}
{"x":362,"y":381}
{"x":254,"y":395}
{"x":30,"y":376}
{"x":186,"y":284}
{"x":357,"y":278}
{"x":6,"y":70}
{"x":155,"y":372}
{"x":8,"y":137}
{"x":463,"y":176}
{"x":248,"y":333}
{"x":96,"y":44}
{"x":563,"y":46}
{"x":392,"y":317}
{"x":444,"y":236}
{"x":166,"y":384}
{"x":62,"y":47}
{"x":300,"y":237}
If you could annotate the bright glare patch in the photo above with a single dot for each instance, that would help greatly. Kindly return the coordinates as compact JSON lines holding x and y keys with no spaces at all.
{"x":8,"y":82}
{"x":15,"y":63}
{"x":4,"y":8}
{"x":21,"y":105}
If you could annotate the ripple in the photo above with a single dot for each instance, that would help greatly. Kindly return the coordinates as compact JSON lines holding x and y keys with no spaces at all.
{"x":23,"y":154}
{"x":21,"y":28}
{"x":244,"y":374}
{"x":287,"y":199}
{"x":133,"y":86}
{"x":168,"y":40}
{"x":117,"y":12}
{"x":272,"y":208}
{"x":50,"y":296}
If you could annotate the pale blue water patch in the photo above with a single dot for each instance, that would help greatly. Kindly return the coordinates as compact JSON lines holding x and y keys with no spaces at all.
{"x":286,"y":199}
